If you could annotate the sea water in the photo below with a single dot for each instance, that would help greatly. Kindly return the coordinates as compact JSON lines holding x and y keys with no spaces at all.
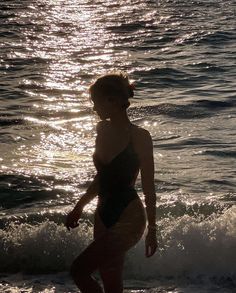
{"x":181,"y":57}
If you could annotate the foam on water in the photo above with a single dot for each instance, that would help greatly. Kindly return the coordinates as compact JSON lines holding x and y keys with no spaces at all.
{"x":190,"y":248}
{"x":46,"y":247}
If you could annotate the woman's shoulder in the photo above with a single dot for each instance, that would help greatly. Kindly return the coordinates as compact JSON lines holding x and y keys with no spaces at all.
{"x":141,"y":132}
{"x":142,"y":138}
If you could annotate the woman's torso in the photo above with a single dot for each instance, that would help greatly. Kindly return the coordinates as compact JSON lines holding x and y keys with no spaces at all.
{"x":116,"y":182}
{"x":121,"y":171}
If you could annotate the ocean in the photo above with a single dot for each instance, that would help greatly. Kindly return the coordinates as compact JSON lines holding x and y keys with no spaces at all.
{"x":181,"y":57}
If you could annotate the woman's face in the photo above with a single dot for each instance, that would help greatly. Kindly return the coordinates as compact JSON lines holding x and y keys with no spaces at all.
{"x":105,"y":107}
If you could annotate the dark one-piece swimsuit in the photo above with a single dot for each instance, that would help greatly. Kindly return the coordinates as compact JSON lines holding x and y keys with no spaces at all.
{"x":116,"y":184}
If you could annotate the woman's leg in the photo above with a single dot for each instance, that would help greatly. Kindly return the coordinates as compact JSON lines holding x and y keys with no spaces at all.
{"x":81,"y":270}
{"x":108,"y":248}
{"x":112,"y":275}
{"x":105,"y":253}
{"x":128,"y":231}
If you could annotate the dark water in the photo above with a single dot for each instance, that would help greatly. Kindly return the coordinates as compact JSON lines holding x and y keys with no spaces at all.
{"x":181,"y":56}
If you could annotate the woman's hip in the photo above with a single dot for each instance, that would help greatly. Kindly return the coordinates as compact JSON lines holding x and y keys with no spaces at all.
{"x":129,"y":227}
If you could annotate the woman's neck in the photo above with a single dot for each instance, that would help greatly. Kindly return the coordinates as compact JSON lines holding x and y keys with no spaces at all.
{"x":121,"y":120}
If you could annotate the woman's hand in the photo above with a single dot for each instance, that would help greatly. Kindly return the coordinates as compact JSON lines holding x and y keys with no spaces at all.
{"x":72,"y":218}
{"x":150,"y":243}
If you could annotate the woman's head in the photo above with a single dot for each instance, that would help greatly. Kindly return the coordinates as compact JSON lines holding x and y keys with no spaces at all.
{"x":111,"y":90}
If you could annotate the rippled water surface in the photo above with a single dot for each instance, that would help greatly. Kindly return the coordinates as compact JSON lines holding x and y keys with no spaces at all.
{"x":181,"y":57}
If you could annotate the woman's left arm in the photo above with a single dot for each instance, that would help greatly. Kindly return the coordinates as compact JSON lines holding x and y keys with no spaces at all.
{"x":148,"y":186}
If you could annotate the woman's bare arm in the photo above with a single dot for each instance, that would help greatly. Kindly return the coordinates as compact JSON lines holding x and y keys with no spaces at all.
{"x":73,"y":217}
{"x":147,"y":177}
{"x":89,"y":195}
{"x":148,"y":186}
{"x":92,"y":190}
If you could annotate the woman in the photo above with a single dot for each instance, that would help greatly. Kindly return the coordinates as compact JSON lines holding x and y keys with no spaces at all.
{"x":122,"y":149}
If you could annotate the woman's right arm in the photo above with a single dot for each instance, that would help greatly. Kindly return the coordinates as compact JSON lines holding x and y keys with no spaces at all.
{"x":89,"y":195}
{"x":73,"y":217}
{"x":91,"y":192}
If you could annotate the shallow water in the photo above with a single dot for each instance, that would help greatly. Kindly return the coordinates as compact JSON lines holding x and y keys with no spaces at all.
{"x":180,"y":54}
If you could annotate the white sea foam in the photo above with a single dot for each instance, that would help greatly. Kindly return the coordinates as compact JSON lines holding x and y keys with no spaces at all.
{"x":188,"y":248}
{"x":45,"y":247}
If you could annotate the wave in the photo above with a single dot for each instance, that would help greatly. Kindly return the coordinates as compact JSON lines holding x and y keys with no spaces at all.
{"x":214,"y":104}
{"x":161,"y":78}
{"x":7,"y":121}
{"x":188,"y":142}
{"x":18,"y":190}
{"x":171,"y":110}
{"x":189,"y":248}
{"x":197,"y":109}
{"x":173,"y":208}
{"x":216,"y":38}
{"x":221,"y":153}
{"x":202,"y":108}
{"x":206,"y":67}
{"x":46,"y":247}
{"x":127,"y":27}
{"x":220,"y":182}
{"x":210,"y":38}
{"x":20,"y":61}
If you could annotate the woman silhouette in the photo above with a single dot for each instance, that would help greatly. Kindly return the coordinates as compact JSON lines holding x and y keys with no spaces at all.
{"x":122,"y":149}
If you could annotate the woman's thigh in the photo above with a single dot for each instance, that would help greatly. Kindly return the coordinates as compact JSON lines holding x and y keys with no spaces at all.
{"x":131,"y":224}
{"x":104,"y":253}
